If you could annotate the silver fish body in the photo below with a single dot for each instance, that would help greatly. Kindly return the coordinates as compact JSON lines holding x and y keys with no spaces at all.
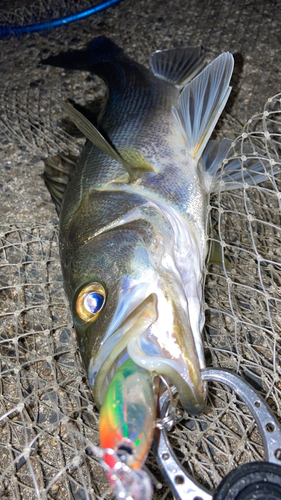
{"x":141,"y":231}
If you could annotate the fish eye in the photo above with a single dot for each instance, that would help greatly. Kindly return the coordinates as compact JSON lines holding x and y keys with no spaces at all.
{"x":90,"y":301}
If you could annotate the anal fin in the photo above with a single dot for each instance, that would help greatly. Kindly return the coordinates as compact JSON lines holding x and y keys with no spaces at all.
{"x":223,"y":170}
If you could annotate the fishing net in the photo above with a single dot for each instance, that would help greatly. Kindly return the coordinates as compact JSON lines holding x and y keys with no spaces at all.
{"x":48,"y":419}
{"x":35,"y":12}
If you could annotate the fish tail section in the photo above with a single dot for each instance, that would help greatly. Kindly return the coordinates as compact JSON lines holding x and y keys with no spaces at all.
{"x":99,"y":50}
{"x":202,"y":101}
{"x":103,"y":49}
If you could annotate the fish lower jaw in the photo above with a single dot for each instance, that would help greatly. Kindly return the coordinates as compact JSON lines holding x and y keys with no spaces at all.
{"x":142,"y":339}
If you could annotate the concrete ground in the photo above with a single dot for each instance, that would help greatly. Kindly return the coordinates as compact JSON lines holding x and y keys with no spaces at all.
{"x":40,"y":363}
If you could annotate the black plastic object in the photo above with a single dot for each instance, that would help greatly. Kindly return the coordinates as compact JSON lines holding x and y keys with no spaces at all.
{"x":254,"y":481}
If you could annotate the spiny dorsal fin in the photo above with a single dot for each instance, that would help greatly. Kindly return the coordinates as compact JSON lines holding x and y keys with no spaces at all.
{"x":202,"y":101}
{"x":134,"y":168}
{"x":177,"y":66}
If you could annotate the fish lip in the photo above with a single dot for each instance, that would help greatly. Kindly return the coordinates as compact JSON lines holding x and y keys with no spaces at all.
{"x":192,"y":393}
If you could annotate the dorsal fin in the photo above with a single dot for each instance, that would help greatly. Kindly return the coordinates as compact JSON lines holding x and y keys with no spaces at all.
{"x":224,"y":170}
{"x":177,"y":66}
{"x":202,"y":101}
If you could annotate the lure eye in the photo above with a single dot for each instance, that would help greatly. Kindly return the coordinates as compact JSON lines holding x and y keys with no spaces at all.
{"x":90,"y":301}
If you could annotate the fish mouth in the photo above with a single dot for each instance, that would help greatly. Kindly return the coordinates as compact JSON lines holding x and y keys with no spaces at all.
{"x":130,"y":340}
{"x":135,"y":325}
{"x":184,"y":377}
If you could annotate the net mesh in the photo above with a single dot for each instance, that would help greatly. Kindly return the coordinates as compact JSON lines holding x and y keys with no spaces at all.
{"x":48,"y":419}
{"x":38,"y":12}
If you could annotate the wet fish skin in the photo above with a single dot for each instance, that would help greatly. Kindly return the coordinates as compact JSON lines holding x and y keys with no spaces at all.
{"x":140,"y":234}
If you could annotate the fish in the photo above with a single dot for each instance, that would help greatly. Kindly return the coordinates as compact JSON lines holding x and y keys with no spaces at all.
{"x":133,"y":230}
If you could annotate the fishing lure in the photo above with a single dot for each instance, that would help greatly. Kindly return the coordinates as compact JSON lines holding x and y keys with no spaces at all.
{"x":126,"y":426}
{"x":128,"y":413}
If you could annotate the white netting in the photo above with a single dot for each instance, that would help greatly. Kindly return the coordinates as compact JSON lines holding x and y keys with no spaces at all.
{"x":47,"y":414}
{"x":40,"y":11}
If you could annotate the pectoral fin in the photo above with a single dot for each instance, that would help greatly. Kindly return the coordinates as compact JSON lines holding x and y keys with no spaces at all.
{"x":57,"y":173}
{"x":134,"y":163}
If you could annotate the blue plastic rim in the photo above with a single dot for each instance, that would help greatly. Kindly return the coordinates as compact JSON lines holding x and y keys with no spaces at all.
{"x":6,"y":31}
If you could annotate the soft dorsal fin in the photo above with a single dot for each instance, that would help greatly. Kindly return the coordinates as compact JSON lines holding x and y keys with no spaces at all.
{"x":177,"y":66}
{"x":202,"y":101}
{"x":135,"y":168}
{"x":214,"y":153}
{"x":223,"y":170}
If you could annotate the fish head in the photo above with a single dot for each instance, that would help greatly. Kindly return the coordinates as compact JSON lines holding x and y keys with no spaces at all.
{"x":128,"y":300}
